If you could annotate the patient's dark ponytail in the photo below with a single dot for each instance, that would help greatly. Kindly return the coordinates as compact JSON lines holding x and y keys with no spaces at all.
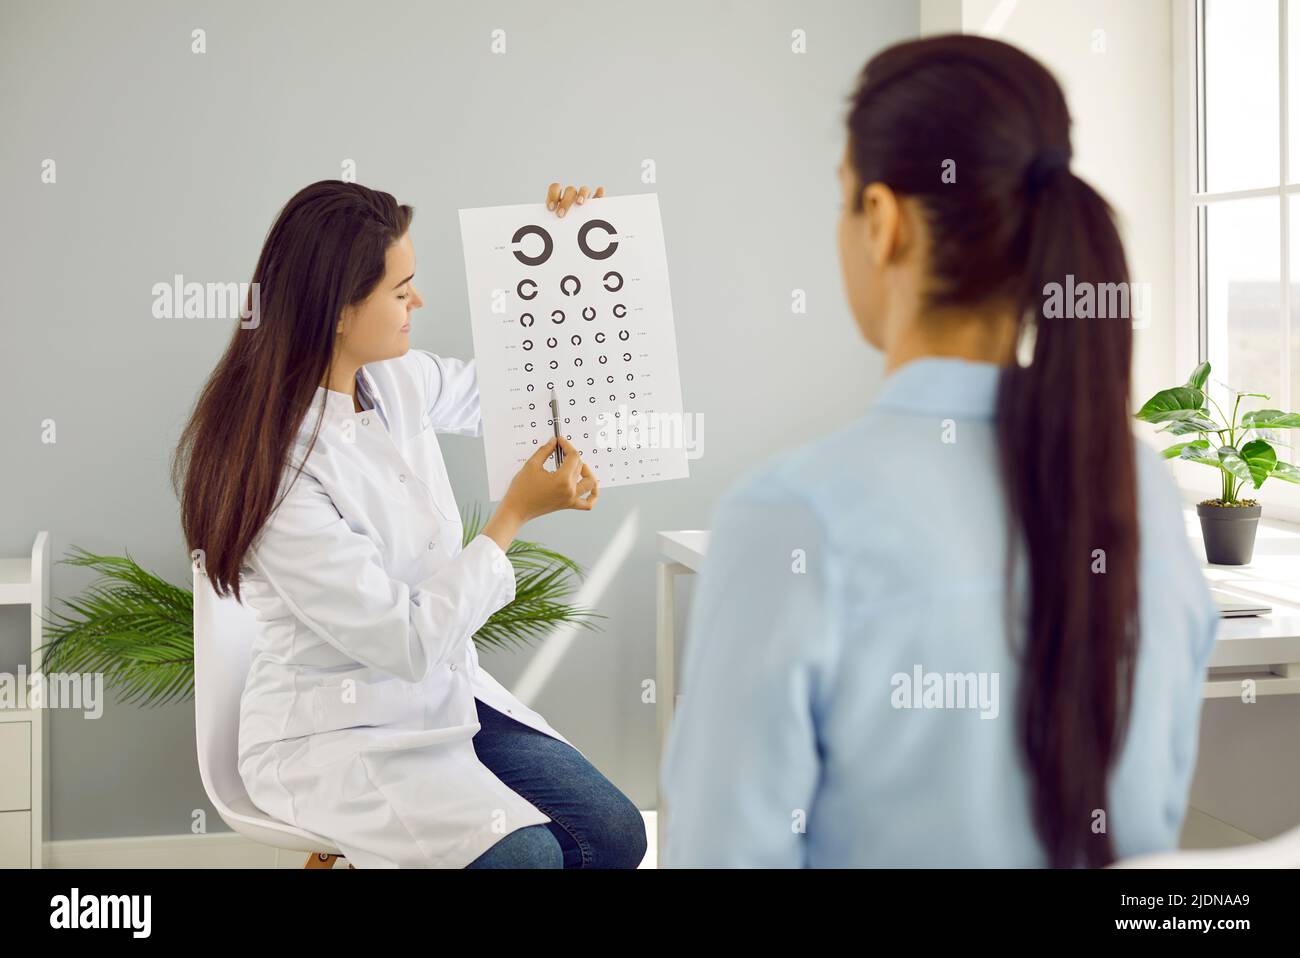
{"x":1011,"y":223}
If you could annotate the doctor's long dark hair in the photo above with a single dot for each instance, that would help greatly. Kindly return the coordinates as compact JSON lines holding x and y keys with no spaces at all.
{"x":325,"y":251}
{"x":1015,"y":220}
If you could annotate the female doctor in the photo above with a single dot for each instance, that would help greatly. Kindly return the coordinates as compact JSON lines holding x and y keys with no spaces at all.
{"x":312,"y":481}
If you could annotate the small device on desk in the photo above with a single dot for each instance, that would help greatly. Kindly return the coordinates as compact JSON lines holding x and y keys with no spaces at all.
{"x":1234,"y":606}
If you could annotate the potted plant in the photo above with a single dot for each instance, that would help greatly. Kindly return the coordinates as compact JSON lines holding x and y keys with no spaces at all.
{"x":1239,"y":450}
{"x":138,"y":629}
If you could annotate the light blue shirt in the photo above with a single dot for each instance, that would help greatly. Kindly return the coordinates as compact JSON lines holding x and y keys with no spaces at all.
{"x":839,"y":576}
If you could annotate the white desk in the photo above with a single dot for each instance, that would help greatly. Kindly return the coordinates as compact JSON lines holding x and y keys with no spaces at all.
{"x":1263,"y":648}
{"x":680,"y":552}
{"x":1266,"y":647}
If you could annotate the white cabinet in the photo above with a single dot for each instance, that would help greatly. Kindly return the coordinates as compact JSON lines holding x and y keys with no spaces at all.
{"x":15,"y":840}
{"x":24,"y":745}
{"x":16,"y":767}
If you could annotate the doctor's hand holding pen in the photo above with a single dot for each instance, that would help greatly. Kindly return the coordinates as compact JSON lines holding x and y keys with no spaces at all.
{"x":535,"y":490}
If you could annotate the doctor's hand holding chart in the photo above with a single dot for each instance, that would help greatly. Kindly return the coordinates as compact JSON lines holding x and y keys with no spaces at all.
{"x":577,"y":305}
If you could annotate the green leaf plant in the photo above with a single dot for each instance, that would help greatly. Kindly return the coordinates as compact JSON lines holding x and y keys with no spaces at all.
{"x":1240,"y":448}
{"x":137,"y":629}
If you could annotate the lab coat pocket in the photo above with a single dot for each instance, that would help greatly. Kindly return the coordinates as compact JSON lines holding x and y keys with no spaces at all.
{"x":350,"y":704}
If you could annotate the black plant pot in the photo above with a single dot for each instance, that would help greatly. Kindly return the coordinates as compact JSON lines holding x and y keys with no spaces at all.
{"x":1228,"y":532}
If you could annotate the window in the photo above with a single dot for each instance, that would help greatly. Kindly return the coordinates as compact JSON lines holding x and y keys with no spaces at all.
{"x":1246,"y":196}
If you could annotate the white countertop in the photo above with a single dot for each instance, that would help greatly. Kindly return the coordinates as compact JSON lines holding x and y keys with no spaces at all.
{"x":1273,"y":576}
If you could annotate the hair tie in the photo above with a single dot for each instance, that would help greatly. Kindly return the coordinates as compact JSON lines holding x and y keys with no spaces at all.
{"x":1046,"y":162}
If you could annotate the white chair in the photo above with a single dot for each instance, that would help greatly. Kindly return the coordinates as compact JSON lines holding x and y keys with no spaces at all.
{"x":223,"y":642}
{"x":1280,"y":852}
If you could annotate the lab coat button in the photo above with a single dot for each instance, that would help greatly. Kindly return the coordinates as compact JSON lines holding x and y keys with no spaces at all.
{"x":365,"y":420}
{"x":430,"y":543}
{"x":402,"y":477}
{"x":452,"y":666}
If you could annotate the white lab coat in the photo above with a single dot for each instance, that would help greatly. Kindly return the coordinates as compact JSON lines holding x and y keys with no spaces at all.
{"x":358,"y":713}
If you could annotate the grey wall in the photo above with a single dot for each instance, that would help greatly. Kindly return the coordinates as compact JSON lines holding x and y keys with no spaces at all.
{"x":171,"y":162}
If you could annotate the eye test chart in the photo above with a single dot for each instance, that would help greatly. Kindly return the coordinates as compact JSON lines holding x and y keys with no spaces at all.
{"x":579,"y":304}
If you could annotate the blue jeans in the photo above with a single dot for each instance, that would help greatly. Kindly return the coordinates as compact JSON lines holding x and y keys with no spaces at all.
{"x":593,"y":824}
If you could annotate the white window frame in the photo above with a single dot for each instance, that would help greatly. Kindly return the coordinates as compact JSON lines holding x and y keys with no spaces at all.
{"x":1280,"y":500}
